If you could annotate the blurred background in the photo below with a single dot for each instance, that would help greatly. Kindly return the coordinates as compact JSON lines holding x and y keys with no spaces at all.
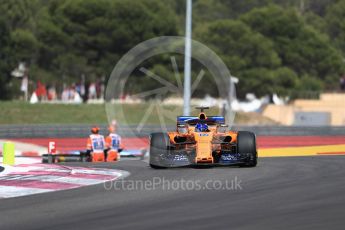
{"x":287,"y":57}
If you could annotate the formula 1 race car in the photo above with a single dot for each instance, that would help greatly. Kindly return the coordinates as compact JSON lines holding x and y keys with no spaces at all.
{"x":202,"y":140}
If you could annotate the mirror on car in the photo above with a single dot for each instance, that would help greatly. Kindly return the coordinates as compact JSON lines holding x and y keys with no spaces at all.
{"x":222,"y":128}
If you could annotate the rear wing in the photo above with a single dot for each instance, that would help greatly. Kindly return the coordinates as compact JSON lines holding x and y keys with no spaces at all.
{"x":194,"y":119}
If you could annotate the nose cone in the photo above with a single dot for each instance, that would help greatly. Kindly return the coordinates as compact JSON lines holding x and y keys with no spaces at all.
{"x":203,"y":147}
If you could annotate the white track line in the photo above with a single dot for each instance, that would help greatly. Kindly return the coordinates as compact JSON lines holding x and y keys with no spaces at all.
{"x":12,"y":191}
{"x":22,"y":180}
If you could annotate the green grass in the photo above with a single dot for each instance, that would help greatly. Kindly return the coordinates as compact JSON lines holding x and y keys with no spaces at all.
{"x":24,"y":113}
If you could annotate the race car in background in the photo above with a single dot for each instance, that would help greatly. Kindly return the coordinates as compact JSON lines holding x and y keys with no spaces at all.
{"x":202,"y":140}
{"x":83,"y":156}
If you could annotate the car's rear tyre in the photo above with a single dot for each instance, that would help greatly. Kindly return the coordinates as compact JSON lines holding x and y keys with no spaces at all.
{"x":246,"y":145}
{"x":159,"y":144}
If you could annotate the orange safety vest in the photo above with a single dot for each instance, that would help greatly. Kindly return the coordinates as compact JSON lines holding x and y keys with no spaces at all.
{"x":96,"y":143}
{"x":114,"y":141}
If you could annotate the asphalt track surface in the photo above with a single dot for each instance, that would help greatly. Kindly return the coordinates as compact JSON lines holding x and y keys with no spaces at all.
{"x":281,"y":193}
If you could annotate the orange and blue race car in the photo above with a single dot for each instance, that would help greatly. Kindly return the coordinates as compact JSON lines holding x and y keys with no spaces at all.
{"x":202,"y":140}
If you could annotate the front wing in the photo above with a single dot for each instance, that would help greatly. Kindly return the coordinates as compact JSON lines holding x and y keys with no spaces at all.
{"x":181,"y":158}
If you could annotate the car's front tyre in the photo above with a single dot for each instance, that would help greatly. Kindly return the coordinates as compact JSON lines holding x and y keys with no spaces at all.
{"x":159,"y":143}
{"x":246,"y":146}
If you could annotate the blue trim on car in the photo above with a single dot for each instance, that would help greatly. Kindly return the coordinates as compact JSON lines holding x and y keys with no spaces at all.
{"x":217,"y":119}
